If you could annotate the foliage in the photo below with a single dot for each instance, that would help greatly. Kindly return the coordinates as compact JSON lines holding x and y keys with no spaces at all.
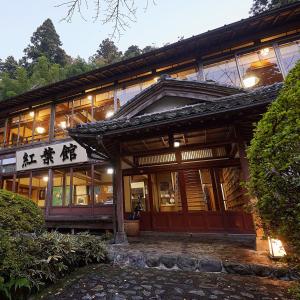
{"x":45,"y":42}
{"x":9,"y":66}
{"x":30,"y":261}
{"x":274,"y":158}
{"x":260,"y":6}
{"x":132,"y":51}
{"x":19,"y":214}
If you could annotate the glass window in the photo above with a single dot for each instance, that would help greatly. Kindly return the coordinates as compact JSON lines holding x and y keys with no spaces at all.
{"x":104,"y":106}
{"x":13,"y":131}
{"x":63,"y":114}
{"x":2,"y":133}
{"x":61,"y":187}
{"x":26,"y":125}
{"x":188,"y":74}
{"x":290,"y":54}
{"x":39,"y":188}
{"x":7,"y":183}
{"x":145,"y":84}
{"x":82,"y":111}
{"x":224,"y":72}
{"x":259,"y":68}
{"x":166,"y":192}
{"x":103,"y":186}
{"x":82,"y":186}
{"x":128,"y":92}
{"x":136,"y":193}
{"x":42,"y":124}
{"x":22,"y":184}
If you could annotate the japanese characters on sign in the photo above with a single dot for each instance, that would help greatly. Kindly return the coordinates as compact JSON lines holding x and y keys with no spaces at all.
{"x":50,"y":155}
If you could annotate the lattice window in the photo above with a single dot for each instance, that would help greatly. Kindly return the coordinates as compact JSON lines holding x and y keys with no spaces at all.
{"x":196,"y":154}
{"x":157,"y":159}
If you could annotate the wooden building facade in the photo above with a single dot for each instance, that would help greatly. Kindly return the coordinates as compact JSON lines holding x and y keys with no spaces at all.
{"x":169,"y":127}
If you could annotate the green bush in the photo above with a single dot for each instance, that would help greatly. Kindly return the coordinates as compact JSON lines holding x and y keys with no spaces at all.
{"x":30,"y":261}
{"x":274,"y":158}
{"x":19,"y":214}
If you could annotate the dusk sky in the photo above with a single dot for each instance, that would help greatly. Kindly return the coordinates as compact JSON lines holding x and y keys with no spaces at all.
{"x":161,"y":23}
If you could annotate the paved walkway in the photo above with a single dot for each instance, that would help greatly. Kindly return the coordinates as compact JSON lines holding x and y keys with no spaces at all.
{"x":108,"y":282}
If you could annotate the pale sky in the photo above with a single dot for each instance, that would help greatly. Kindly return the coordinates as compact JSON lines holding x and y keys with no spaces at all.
{"x":161,"y":23}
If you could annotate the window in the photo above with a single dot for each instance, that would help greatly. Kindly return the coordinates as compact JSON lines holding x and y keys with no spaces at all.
{"x":136,"y":193}
{"x":63,"y":115}
{"x":7,"y":183}
{"x":259,"y":68}
{"x":22,"y":184}
{"x":39,"y":185}
{"x":82,"y":111}
{"x":290,"y":54}
{"x":13,"y":131}
{"x":224,"y":72}
{"x":188,"y":74}
{"x":42,"y":124}
{"x":104,"y":105}
{"x":61,"y":187}
{"x":103,"y":186}
{"x":128,"y":92}
{"x":82,"y":186}
{"x":26,"y":125}
{"x":2,"y":133}
{"x":166,"y":192}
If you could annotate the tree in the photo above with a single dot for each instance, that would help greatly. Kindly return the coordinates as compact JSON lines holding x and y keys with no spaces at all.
{"x":274,"y":160}
{"x":76,"y":67}
{"x":118,"y":12}
{"x":148,"y":49}
{"x":108,"y":52}
{"x":132,"y":51}
{"x":9,"y":66}
{"x":45,"y":42}
{"x":260,"y":6}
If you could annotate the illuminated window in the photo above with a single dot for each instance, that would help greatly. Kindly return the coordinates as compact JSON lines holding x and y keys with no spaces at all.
{"x":2,"y":133}
{"x":188,"y":74}
{"x":103,"y":186}
{"x":42,"y":124}
{"x":60,"y":187}
{"x":290,"y":54}
{"x":82,"y":111}
{"x":39,"y":188}
{"x":104,"y":105}
{"x":259,"y":68}
{"x":22,"y":185}
{"x":82,"y":186}
{"x":63,"y":114}
{"x":26,"y":126}
{"x":224,"y":72}
{"x":13,"y":130}
{"x":7,"y":183}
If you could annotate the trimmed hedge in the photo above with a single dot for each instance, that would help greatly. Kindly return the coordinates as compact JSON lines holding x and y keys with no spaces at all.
{"x":19,"y":214}
{"x":274,"y":159}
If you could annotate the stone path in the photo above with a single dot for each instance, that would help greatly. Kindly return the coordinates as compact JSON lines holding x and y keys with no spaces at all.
{"x":111,"y":282}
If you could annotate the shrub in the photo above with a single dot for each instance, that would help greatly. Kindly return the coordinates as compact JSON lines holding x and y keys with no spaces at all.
{"x":30,"y":261}
{"x":274,"y":158}
{"x":19,"y":214}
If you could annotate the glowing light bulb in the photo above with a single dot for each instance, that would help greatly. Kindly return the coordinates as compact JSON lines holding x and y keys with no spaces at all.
{"x":176,"y":144}
{"x":90,"y":97}
{"x":109,"y":171}
{"x":264,"y":51}
{"x":31,"y":114}
{"x":63,"y":124}
{"x":109,"y":114}
{"x":45,"y":178}
{"x":250,"y":81}
{"x":40,"y":129}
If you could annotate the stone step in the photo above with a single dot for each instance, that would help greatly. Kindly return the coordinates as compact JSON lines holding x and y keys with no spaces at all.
{"x":209,"y":264}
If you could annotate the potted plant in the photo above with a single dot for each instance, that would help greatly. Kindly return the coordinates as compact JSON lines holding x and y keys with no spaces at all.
{"x":132,"y":225}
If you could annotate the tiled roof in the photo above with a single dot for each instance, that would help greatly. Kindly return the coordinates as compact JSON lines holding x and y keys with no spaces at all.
{"x":256,"y":97}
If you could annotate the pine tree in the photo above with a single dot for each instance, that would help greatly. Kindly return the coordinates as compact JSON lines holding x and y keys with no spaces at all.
{"x":260,"y":6}
{"x":45,"y":42}
{"x":132,"y":51}
{"x":9,"y":66}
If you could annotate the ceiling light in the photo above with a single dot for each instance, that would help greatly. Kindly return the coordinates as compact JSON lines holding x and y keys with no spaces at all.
{"x":31,"y":114}
{"x":109,"y":114}
{"x":45,"y":178}
{"x":109,"y":171}
{"x":63,"y":124}
{"x":250,"y":81}
{"x":40,"y":129}
{"x":176,"y":144}
{"x":264,"y":51}
{"x":90,"y":97}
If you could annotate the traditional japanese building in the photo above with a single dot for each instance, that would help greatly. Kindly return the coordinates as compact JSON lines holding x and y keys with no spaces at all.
{"x":168,"y":128}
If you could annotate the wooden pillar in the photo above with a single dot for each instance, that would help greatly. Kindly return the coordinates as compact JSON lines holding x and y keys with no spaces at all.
{"x":120,"y":236}
{"x":49,"y":192}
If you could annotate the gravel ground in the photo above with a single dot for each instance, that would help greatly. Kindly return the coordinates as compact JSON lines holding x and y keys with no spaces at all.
{"x":111,"y":282}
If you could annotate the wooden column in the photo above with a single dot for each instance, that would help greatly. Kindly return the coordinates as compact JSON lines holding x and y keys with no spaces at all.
{"x":120,"y":236}
{"x":49,"y":192}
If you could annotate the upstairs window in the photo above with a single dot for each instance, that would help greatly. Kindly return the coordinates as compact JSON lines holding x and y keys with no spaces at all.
{"x":259,"y":68}
{"x":103,"y":105}
{"x":290,"y":54}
